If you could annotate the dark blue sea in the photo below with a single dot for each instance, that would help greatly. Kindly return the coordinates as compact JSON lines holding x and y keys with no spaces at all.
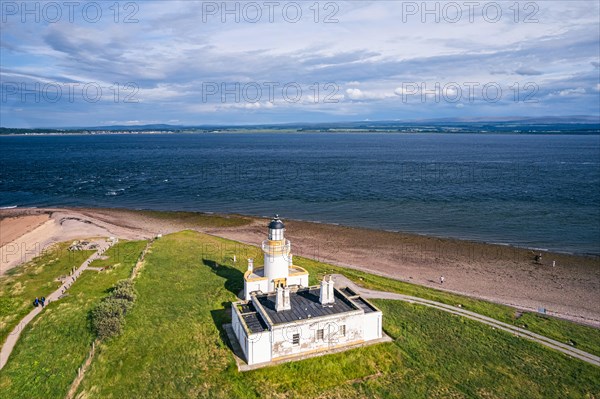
{"x":539,"y":191}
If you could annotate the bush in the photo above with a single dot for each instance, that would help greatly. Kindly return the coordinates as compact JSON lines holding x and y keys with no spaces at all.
{"x":124,"y":290}
{"x":109,"y":316}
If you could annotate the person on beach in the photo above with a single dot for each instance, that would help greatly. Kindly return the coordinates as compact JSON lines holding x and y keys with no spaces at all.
{"x":442,"y":279}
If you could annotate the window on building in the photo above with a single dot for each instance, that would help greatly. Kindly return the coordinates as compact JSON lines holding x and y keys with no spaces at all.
{"x":320,"y":334}
{"x":343,"y":330}
{"x":296,"y":339}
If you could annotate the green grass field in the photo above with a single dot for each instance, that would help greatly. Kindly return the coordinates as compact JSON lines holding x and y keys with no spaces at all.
{"x":172,"y":345}
{"x":581,"y":336}
{"x":37,"y":278}
{"x":52,"y":347}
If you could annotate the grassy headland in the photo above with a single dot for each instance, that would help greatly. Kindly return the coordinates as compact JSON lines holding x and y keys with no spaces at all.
{"x":173,"y":344}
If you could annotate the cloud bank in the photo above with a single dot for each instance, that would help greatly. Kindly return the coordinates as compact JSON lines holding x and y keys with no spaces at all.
{"x":255,"y":62}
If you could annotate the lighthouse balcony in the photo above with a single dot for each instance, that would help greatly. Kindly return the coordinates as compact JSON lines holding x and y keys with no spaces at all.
{"x":276,"y":247}
{"x":258,"y":274}
{"x":297,"y":271}
{"x":255,"y":275}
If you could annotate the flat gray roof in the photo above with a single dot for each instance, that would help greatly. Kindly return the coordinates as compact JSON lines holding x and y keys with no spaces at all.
{"x":305,"y":305}
{"x":364,"y":305}
{"x":254,"y":322}
{"x":252,"y":319}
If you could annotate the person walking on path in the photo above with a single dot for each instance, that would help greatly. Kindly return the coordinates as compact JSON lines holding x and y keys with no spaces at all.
{"x":442,"y":279}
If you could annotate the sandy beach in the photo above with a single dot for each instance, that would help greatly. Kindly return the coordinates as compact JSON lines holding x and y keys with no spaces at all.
{"x":568,"y":286}
{"x":12,"y":228}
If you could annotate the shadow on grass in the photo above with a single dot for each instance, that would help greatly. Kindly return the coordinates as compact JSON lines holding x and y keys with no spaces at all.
{"x":234,"y":283}
{"x":234,"y":279}
{"x":220,"y":317}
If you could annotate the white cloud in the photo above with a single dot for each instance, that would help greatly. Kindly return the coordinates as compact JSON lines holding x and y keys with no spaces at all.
{"x":354,"y":94}
{"x":358,"y":94}
{"x":571,"y":92}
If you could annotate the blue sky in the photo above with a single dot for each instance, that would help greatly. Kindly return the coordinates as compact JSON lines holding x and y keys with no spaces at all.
{"x":273,"y":62}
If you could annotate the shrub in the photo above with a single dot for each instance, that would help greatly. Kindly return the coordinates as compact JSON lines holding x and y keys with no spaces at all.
{"x":124,"y":290}
{"x":109,"y":316}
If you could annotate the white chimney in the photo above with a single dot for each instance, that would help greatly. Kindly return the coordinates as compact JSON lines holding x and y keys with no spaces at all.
{"x":327,"y":297}
{"x":282,"y":299}
{"x":250,"y":265}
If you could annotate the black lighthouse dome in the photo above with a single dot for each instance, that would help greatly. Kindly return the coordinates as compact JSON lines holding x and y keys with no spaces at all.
{"x":276,"y":223}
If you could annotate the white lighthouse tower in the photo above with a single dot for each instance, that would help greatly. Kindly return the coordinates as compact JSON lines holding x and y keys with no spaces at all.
{"x":278,"y":269}
{"x":277,"y":255}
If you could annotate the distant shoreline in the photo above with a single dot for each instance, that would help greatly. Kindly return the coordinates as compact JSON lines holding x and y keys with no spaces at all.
{"x":132,"y":133}
{"x":582,"y":124}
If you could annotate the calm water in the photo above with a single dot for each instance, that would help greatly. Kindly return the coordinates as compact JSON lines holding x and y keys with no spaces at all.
{"x":534,"y":191}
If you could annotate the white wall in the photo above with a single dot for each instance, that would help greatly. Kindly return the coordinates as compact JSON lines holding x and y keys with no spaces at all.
{"x":250,"y":286}
{"x":372,"y":326}
{"x":259,"y":348}
{"x":282,"y":336}
{"x":256,"y":347}
{"x":301,"y":280}
{"x":238,"y":328}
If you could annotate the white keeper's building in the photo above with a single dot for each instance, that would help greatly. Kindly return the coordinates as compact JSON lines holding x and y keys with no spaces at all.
{"x":282,"y":317}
